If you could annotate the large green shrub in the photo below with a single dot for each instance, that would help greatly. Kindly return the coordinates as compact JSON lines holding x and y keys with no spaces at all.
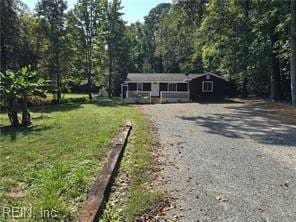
{"x":16,"y":88}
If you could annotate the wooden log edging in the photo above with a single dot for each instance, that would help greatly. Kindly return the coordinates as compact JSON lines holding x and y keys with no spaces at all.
{"x":99,"y":193}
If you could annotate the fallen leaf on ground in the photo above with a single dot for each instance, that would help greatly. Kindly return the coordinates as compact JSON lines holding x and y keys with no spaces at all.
{"x":221,"y":199}
{"x":286,"y":184}
{"x":189,"y":178}
{"x":180,"y":142}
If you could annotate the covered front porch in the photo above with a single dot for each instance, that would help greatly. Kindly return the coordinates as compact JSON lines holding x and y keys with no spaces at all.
{"x":134,"y":92}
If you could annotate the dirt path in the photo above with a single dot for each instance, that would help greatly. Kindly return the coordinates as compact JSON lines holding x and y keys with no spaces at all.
{"x":227,"y":162}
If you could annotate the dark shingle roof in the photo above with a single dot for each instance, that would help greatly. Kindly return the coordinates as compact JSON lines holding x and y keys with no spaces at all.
{"x":159,"y":77}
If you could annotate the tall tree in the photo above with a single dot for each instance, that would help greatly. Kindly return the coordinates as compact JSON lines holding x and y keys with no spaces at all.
{"x":9,"y":29}
{"x":220,"y":27}
{"x":53,"y":11}
{"x":15,"y":30}
{"x":152,"y":30}
{"x":15,"y":47}
{"x":116,"y":47}
{"x":275,"y":76}
{"x":87,"y":32}
{"x":246,"y":42}
{"x":136,"y":47}
{"x":268,"y":20}
{"x":176,"y":35}
{"x":293,"y":52}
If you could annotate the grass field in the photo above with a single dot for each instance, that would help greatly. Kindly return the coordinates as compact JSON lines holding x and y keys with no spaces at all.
{"x":137,"y":164}
{"x":52,"y":164}
{"x":73,"y":95}
{"x":68,"y":96}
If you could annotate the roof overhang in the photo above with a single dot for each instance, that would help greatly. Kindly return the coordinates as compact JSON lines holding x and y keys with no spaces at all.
{"x":205,"y":74}
{"x":184,"y":81}
{"x":187,"y":78}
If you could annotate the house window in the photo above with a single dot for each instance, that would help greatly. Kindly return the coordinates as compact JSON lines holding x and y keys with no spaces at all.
{"x":132,"y":86}
{"x":140,"y":86}
{"x":182,"y":87}
{"x":147,"y":87}
{"x":172,"y":87}
{"x":163,"y":87}
{"x":207,"y":86}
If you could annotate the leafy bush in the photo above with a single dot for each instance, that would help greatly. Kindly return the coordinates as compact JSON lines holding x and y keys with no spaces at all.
{"x":16,"y":88}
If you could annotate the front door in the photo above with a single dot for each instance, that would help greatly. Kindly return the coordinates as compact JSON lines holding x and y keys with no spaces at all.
{"x":155,"y":89}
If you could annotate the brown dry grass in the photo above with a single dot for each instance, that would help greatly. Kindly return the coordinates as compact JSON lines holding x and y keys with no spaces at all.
{"x":278,"y":110}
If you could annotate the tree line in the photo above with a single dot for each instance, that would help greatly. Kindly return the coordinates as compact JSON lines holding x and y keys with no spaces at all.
{"x":91,"y":48}
{"x":246,"y":41}
{"x":78,"y":47}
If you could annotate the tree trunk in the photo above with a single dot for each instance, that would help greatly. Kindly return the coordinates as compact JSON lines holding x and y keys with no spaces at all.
{"x":89,"y":86}
{"x":3,"y":55}
{"x":58,"y":75}
{"x":244,"y":92}
{"x":59,"y":93}
{"x":275,"y":80}
{"x":12,"y":114}
{"x":89,"y":80}
{"x":26,"y":117}
{"x":160,"y":57}
{"x":160,"y":64}
{"x":293,"y":52}
{"x":110,"y":73}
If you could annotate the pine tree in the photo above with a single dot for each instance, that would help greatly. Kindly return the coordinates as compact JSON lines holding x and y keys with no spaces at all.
{"x":53,"y":11}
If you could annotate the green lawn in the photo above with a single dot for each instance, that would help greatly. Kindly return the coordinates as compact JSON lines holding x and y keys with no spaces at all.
{"x":53,"y":163}
{"x":73,"y":95}
{"x":137,"y":163}
{"x":67,"y":96}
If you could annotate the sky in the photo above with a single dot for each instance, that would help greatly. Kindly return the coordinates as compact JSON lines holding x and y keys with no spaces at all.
{"x":134,"y":10}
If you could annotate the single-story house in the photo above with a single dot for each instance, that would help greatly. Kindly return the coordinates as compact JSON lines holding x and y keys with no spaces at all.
{"x":172,"y":87}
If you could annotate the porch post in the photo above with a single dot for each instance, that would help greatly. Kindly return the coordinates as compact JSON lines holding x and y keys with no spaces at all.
{"x":188,"y":90}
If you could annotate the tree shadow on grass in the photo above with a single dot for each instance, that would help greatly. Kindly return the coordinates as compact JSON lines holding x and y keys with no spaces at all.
{"x":65,"y":107}
{"x":248,"y":121}
{"x":57,"y":108}
{"x":106,"y":102}
{"x":14,"y":132}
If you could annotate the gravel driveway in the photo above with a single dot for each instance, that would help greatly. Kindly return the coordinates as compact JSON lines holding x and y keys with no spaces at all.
{"x":226,"y":162}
